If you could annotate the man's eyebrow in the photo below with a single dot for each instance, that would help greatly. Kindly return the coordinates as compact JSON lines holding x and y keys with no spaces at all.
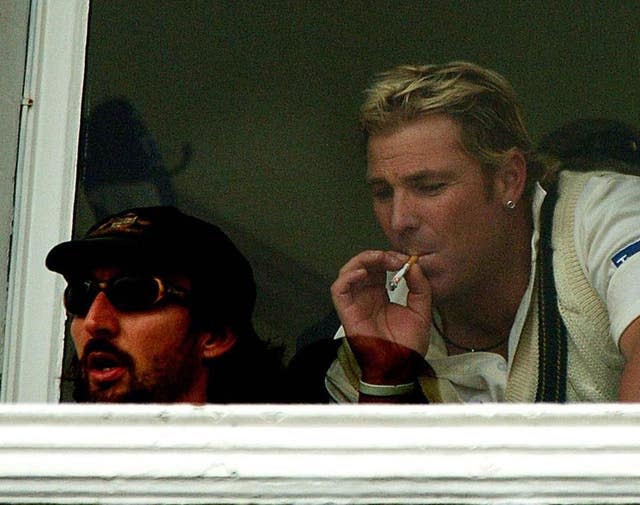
{"x":417,"y":176}
{"x":372,"y":181}
{"x":421,"y":175}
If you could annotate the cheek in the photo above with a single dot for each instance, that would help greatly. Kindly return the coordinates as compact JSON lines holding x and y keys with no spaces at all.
{"x":476,"y":228}
{"x":79,"y":339}
{"x":158,"y":335}
{"x":470,"y":208}
{"x":383,"y":215}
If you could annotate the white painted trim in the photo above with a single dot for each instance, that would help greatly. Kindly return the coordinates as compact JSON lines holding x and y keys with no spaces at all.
{"x":488,"y":454}
{"x":45,"y":185}
{"x":117,"y":454}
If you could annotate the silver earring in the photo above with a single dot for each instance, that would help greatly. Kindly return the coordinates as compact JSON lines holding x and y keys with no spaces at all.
{"x":510,"y":204}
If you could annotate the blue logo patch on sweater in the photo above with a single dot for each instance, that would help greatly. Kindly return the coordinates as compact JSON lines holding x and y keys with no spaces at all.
{"x":620,"y":257}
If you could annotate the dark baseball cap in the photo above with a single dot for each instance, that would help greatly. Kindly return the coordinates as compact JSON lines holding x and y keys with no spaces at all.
{"x":163,"y":239}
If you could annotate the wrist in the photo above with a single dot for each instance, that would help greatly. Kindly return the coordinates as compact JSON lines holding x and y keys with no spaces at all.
{"x":382,"y":361}
{"x":385,"y":390}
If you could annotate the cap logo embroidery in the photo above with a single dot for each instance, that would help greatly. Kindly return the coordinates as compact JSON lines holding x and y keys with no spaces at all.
{"x":130,"y":223}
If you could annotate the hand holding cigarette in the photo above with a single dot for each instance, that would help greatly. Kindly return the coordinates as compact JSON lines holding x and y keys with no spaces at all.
{"x":362,"y":301}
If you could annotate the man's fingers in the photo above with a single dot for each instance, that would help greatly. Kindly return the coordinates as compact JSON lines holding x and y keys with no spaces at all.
{"x":345,"y":283}
{"x":419,"y":295}
{"x":375,"y":261}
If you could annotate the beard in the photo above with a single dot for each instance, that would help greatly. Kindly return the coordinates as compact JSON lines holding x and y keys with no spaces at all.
{"x":167,"y":379}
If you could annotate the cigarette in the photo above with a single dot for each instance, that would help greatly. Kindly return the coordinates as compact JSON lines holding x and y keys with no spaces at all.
{"x":402,"y":272}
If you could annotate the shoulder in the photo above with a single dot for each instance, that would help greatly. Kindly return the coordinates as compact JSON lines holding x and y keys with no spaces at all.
{"x":599,"y":189}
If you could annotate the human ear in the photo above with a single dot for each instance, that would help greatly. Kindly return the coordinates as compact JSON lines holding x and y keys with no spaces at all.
{"x":512,"y":177}
{"x":213,"y":345}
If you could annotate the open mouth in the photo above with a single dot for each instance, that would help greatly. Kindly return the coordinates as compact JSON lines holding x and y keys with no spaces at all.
{"x":102,"y":366}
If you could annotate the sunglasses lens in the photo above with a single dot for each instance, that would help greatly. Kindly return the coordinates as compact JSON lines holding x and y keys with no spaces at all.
{"x":133,"y":293}
{"x":78,"y":297}
{"x":127,"y":294}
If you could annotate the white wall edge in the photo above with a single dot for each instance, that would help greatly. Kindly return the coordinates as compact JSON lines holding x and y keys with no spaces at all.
{"x":116,"y":454}
{"x":487,"y":454}
{"x":45,"y":185}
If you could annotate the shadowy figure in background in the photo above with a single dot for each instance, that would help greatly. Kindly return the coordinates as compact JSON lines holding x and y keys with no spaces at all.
{"x":584,"y":142}
{"x":120,"y":162}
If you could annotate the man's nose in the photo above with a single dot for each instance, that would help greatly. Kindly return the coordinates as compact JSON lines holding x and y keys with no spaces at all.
{"x":403,"y":212}
{"x":102,"y":319}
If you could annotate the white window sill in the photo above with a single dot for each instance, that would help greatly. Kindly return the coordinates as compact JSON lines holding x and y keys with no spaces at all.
{"x":320,"y":454}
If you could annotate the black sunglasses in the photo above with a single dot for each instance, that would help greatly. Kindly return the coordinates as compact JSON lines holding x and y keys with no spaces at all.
{"x":127,"y":294}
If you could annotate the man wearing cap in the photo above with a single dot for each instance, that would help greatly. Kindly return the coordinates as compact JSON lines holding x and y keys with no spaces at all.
{"x":161,"y":310}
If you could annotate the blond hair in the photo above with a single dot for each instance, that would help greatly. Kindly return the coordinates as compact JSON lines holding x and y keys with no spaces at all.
{"x":481,"y":101}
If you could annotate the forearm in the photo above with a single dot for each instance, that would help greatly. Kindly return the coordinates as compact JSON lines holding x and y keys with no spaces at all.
{"x":630,"y":347}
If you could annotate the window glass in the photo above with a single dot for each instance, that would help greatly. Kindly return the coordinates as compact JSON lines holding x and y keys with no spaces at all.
{"x":244,"y":114}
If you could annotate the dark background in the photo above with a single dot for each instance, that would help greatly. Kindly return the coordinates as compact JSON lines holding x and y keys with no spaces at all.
{"x":266,"y":93}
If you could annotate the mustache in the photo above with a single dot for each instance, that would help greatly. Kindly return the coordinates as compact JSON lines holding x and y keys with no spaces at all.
{"x":103,"y":345}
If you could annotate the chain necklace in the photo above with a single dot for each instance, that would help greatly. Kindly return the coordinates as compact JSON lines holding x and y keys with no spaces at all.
{"x":465,"y":348}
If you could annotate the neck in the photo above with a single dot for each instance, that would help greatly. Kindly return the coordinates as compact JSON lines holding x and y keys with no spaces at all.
{"x":197,"y":393}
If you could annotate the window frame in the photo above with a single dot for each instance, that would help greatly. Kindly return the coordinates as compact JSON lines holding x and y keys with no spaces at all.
{"x":43,"y":203}
{"x":489,"y":454}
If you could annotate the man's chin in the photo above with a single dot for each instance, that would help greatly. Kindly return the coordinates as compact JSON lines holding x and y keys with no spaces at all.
{"x":108,"y":395}
{"x":118,"y":391}
{"x":122,"y":393}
